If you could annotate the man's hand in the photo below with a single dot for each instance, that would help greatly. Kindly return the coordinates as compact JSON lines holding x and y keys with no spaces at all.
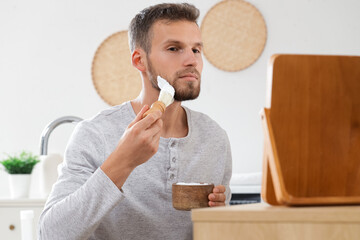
{"x":217,"y":197}
{"x":138,"y":144}
{"x":140,"y":140}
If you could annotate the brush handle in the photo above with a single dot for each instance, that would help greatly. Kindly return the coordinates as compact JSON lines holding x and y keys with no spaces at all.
{"x":156,"y":106}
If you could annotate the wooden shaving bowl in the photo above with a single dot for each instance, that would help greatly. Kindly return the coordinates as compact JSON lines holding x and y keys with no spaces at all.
{"x":187,"y":197}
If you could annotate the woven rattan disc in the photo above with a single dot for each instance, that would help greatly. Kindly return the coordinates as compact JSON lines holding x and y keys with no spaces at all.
{"x":234,"y":35}
{"x":114,"y":78}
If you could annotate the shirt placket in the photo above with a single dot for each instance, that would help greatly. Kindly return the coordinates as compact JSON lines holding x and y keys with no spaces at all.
{"x":172,"y":173}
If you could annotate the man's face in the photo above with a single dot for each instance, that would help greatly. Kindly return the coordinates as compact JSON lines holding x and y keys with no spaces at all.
{"x":176,"y":56}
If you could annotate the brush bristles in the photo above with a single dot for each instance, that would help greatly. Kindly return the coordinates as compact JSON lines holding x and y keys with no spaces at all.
{"x":166,"y":98}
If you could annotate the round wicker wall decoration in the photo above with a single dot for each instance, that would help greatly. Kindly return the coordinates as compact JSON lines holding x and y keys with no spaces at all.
{"x":234,"y":35}
{"x":114,"y":78}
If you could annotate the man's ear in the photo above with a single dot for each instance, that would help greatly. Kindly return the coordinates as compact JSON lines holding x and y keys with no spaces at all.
{"x":138,"y":59}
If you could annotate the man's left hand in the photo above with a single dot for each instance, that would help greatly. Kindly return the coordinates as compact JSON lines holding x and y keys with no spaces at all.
{"x":217,"y":197}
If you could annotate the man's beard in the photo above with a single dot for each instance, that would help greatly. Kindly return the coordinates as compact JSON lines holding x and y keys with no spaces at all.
{"x":190,"y":92}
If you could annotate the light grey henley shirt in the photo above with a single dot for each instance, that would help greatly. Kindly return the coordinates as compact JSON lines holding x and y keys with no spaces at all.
{"x":86,"y":204}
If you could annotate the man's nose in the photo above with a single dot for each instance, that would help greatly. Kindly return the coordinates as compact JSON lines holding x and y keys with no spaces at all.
{"x":190,"y":58}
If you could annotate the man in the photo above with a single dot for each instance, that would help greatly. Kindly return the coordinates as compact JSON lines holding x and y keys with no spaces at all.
{"x":119,"y":168}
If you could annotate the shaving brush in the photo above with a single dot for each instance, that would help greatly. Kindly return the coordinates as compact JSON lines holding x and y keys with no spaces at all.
{"x":166,"y":97}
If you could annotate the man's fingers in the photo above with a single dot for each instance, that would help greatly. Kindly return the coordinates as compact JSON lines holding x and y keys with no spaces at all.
{"x":155,"y":128}
{"x":156,"y":137}
{"x":139,"y":115}
{"x":217,"y":197}
{"x":219,"y":189}
{"x":216,"y":204}
{"x":148,"y":121}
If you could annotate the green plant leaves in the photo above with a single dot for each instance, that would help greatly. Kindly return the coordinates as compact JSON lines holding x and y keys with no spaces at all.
{"x":21,"y":164}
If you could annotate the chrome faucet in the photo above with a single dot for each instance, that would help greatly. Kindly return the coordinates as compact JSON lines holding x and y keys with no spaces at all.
{"x":50,"y":127}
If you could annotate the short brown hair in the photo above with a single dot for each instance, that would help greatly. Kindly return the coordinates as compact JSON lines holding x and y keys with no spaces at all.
{"x":140,"y":26}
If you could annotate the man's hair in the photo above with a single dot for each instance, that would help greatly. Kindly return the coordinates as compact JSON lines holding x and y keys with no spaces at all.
{"x":140,"y":26}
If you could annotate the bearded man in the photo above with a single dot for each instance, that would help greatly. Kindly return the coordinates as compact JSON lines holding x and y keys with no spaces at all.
{"x":116,"y":179}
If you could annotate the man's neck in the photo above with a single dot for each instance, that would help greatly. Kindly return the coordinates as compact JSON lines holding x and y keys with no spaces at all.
{"x":174,"y":118}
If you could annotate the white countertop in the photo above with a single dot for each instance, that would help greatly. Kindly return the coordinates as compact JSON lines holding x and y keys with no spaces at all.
{"x":21,"y":202}
{"x":244,"y":189}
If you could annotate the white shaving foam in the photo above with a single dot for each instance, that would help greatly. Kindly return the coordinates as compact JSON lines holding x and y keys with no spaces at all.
{"x":183,"y":183}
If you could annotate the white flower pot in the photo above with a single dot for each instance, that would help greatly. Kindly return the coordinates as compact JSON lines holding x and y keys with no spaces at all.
{"x":19,"y":185}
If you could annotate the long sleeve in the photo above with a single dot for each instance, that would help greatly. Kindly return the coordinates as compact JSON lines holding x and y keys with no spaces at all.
{"x":227,"y":171}
{"x":83,"y":194}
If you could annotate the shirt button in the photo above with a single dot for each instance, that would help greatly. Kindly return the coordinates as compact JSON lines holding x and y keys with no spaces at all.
{"x":173,"y":144}
{"x":172,"y":176}
{"x":173,"y":159}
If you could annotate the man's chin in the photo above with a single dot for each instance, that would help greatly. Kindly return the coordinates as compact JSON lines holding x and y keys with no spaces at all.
{"x":185,"y":91}
{"x":186,"y":97}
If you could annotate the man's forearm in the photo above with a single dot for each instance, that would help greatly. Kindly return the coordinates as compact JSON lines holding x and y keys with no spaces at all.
{"x":78,"y":215}
{"x":117,"y":171}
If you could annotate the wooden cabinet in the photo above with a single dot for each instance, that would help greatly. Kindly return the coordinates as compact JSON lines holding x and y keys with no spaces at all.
{"x":262,"y":221}
{"x":10,"y":223}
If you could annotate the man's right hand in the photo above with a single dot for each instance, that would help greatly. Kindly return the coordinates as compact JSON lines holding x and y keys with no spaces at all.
{"x":138,"y":144}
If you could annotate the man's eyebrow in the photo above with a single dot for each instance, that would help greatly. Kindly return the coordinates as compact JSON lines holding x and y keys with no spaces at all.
{"x":199,"y":44}
{"x":170,"y":41}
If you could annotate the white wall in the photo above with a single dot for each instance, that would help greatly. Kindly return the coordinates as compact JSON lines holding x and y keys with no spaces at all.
{"x":47,"y":46}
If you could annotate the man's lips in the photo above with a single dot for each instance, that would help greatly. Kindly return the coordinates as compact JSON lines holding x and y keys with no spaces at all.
{"x":189,"y":76}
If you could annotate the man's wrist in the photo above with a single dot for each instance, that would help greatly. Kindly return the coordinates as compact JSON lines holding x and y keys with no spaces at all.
{"x":116,"y":169}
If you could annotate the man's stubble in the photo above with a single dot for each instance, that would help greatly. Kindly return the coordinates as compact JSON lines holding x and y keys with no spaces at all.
{"x":192,"y":89}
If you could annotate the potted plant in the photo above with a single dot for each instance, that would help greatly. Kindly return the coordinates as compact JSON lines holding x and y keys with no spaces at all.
{"x":19,"y":169}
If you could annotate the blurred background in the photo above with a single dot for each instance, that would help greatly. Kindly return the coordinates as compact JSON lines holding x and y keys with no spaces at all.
{"x":47,"y":48}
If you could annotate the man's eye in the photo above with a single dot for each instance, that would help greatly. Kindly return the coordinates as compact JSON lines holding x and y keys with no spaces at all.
{"x":196,"y":51}
{"x":173,"y":49}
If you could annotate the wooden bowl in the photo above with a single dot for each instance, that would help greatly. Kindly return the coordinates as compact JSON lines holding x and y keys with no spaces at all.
{"x":189,"y":196}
